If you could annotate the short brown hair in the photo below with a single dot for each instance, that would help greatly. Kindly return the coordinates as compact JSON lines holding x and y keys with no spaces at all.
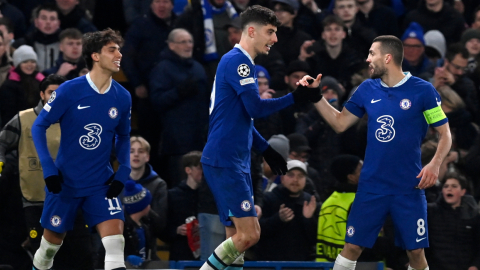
{"x":391,"y":45}
{"x":72,"y":33}
{"x":454,"y":175}
{"x":93,"y":42}
{"x":144,"y":143}
{"x":191,"y":159}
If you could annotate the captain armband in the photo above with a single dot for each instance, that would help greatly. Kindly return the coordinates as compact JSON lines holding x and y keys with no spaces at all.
{"x":434,"y":115}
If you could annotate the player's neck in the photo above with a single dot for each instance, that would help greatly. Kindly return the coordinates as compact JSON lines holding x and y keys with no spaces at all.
{"x":248,"y":47}
{"x":393,"y":77}
{"x":101,"y":78}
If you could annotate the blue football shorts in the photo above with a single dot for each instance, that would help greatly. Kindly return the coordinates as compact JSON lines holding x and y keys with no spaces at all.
{"x":408,"y":212}
{"x":59,"y":211}
{"x":233,"y":192}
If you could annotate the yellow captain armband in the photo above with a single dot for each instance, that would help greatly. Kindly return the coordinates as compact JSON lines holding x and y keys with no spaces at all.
{"x":434,"y":115}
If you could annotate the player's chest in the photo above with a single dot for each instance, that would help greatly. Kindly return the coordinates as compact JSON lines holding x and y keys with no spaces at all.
{"x":98,"y":110}
{"x":396,"y":105}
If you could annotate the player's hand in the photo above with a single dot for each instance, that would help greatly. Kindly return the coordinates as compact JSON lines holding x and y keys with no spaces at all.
{"x":309,"y":208}
{"x":54,"y":183}
{"x":115,"y":188}
{"x":275,"y":161}
{"x":310,"y":82}
{"x":306,"y":93}
{"x":286,"y":214}
{"x":182,"y":229}
{"x":429,"y":175}
{"x":258,"y":209}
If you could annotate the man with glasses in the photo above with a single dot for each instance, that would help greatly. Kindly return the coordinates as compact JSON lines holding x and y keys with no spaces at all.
{"x":178,"y":92}
{"x":451,"y":72}
{"x":415,"y":59}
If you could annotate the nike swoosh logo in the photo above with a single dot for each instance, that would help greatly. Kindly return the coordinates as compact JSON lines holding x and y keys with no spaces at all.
{"x":418,"y":240}
{"x":113,"y":213}
{"x":375,"y":101}
{"x":84,"y":107}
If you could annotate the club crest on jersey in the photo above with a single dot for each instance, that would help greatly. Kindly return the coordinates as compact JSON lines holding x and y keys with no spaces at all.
{"x":350,"y":231}
{"x":243,"y":70}
{"x":52,"y":97}
{"x":246,"y":205}
{"x":113,"y":112}
{"x":55,"y":221}
{"x":405,"y":104}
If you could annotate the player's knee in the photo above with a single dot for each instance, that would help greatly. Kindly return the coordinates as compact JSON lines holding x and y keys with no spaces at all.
{"x":416,"y":253}
{"x":353,"y":249}
{"x":249,"y":238}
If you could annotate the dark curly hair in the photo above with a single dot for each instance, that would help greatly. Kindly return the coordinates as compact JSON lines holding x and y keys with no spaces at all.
{"x":93,"y":42}
{"x":260,"y":15}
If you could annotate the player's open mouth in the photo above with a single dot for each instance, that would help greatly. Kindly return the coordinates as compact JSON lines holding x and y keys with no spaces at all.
{"x":269,"y":47}
{"x":117,"y":63}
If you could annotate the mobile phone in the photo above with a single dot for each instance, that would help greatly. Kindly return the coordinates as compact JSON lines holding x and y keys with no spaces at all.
{"x":316,"y":47}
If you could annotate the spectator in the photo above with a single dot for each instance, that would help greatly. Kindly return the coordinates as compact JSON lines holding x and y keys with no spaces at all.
{"x":272,"y":124}
{"x":20,"y":91}
{"x":476,"y":18}
{"x":378,"y":17}
{"x":273,"y":62}
{"x":332,"y":222}
{"x":471,"y":41}
{"x":335,"y":58}
{"x":415,"y":61}
{"x":437,"y":14}
{"x":70,"y":63}
{"x":5,"y":62}
{"x":358,"y":36}
{"x":453,"y":228}
{"x":140,"y":240}
{"x":72,"y":15}
{"x":44,"y":38}
{"x":207,"y":27}
{"x":16,"y":136}
{"x":288,"y":212}
{"x":15,"y":16}
{"x":290,"y":115}
{"x":143,"y":173}
{"x":451,"y":72}
{"x":435,"y":45}
{"x":280,"y":144}
{"x":134,"y":9}
{"x":290,"y":38}
{"x":6,"y":27}
{"x":179,"y":93}
{"x":184,"y":199}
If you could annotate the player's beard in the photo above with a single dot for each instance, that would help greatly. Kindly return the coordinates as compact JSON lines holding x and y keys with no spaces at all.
{"x":378,"y":72}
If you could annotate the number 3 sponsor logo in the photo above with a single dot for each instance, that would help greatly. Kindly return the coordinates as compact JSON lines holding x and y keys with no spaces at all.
{"x":386,"y":132}
{"x":92,"y":140}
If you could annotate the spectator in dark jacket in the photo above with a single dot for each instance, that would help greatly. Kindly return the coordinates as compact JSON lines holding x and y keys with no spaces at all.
{"x":73,"y":16}
{"x":179,"y":94}
{"x":16,"y":17}
{"x":288,"y":223}
{"x":139,"y":232}
{"x":70,"y":63}
{"x":44,"y":38}
{"x":183,"y":200}
{"x":20,"y":90}
{"x":143,"y":173}
{"x":378,"y":17}
{"x":453,"y":228}
{"x":415,"y":60}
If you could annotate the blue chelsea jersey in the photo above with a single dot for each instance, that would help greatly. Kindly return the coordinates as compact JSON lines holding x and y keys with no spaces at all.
{"x":230,"y":126}
{"x":88,"y":121}
{"x":397,"y":125}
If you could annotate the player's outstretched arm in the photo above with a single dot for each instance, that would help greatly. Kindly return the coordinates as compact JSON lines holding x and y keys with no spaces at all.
{"x":429,"y":173}
{"x":339,"y":121}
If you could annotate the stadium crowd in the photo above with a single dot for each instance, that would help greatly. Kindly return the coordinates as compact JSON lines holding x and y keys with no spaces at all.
{"x":170,"y":54}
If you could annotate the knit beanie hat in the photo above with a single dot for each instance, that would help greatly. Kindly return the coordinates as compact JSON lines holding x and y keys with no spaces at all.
{"x":342,"y":166}
{"x":262,"y":72}
{"x":136,"y":197}
{"x":22,"y":54}
{"x":280,"y":143}
{"x":469,"y":34}
{"x":436,"y":40}
{"x":414,"y":30}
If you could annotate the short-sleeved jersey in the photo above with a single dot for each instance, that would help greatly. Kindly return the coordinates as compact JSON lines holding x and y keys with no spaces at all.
{"x":88,"y":121}
{"x":398,"y":120}
{"x":230,"y":133}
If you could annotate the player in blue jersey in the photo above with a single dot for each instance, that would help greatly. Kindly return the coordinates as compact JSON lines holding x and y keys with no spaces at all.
{"x":400,"y":108}
{"x":92,"y":111}
{"x":234,"y":103}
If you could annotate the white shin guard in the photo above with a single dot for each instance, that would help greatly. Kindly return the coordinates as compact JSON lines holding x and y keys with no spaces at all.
{"x":44,"y":256}
{"x":114,"y":245}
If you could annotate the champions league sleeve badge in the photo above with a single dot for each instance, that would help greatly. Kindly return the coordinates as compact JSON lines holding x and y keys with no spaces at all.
{"x":243,"y":70}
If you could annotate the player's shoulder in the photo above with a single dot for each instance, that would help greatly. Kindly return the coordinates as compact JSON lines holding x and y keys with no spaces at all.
{"x":236,"y":57}
{"x":72,"y":87}
{"x":120,"y":90}
{"x":418,"y":82}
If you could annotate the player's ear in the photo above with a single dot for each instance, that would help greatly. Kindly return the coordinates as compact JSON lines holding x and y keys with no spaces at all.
{"x":95,"y":57}
{"x":251,"y":31}
{"x":388,"y":58}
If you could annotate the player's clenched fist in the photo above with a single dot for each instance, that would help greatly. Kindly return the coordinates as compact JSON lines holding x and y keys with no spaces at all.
{"x":286,"y":214}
